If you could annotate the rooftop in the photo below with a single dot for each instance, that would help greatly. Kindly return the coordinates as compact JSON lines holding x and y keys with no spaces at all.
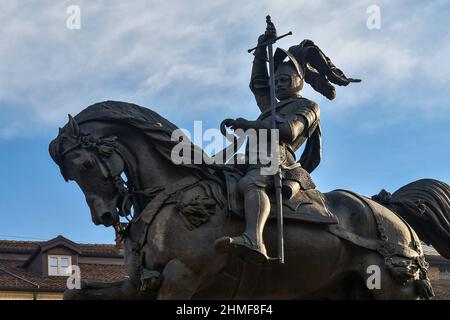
{"x":87,"y":249}
{"x":99,"y":262}
{"x":14,"y":277}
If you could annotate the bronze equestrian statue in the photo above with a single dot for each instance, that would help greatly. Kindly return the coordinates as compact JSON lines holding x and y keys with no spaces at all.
{"x":187,"y":237}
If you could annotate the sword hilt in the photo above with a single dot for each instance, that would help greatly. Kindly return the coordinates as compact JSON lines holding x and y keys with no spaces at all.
{"x":269,"y":42}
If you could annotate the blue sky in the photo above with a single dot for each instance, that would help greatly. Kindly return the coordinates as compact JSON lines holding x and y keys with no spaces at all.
{"x":188,"y":61}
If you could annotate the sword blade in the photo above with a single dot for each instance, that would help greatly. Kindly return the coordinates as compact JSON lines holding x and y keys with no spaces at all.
{"x":277,"y":176}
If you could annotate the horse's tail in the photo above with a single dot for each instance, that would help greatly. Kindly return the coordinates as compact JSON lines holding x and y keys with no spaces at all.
{"x":425,"y":205}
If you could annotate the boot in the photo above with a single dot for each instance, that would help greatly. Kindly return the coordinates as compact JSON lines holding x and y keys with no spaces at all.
{"x":250,"y":245}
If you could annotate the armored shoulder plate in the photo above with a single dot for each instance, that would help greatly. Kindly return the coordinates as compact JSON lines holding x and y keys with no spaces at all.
{"x":303,"y":107}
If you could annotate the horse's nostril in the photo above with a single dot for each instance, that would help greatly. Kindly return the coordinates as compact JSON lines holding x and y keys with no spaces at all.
{"x":107,"y":218}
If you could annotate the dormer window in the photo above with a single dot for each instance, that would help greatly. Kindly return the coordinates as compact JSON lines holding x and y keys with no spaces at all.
{"x":59,"y":265}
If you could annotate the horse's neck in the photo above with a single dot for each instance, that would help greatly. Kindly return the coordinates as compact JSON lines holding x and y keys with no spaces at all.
{"x":146,"y":168}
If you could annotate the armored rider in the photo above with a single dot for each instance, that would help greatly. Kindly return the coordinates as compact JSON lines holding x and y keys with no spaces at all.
{"x":298,"y":121}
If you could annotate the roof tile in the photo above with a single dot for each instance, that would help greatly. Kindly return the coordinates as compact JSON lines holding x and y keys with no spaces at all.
{"x":97,"y":250}
{"x":98,"y":272}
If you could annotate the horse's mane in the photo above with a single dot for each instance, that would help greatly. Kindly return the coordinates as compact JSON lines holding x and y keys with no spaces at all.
{"x":126,"y":113}
{"x":158,"y":129}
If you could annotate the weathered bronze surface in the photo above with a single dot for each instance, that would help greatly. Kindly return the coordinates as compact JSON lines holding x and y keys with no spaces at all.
{"x":187,"y":238}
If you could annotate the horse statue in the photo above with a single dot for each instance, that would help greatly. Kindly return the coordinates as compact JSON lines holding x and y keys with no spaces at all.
{"x":119,"y":154}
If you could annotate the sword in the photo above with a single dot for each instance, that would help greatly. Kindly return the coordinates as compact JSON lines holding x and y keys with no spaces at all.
{"x":277,"y":175}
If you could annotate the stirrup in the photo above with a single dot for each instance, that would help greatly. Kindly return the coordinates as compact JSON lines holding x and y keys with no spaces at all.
{"x":243,"y":247}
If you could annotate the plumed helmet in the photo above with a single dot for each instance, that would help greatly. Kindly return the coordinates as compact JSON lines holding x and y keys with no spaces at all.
{"x":291,"y":68}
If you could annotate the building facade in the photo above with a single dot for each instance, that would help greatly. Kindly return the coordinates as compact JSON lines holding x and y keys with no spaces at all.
{"x":39,"y":270}
{"x":439,"y":273}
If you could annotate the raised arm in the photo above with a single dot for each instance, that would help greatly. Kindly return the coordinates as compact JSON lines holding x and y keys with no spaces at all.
{"x":259,"y":81}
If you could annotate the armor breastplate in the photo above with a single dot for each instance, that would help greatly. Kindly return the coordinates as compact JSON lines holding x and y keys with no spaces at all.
{"x":289,"y":110}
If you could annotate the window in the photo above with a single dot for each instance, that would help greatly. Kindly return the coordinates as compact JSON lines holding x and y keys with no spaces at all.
{"x":59,"y":265}
{"x":444,"y":272}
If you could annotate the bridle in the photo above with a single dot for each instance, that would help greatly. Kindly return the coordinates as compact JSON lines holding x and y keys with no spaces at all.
{"x":104,"y":148}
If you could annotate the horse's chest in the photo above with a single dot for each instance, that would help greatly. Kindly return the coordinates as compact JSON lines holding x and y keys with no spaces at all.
{"x":159,"y":237}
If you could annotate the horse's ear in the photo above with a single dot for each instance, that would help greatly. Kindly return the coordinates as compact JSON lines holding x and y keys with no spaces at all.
{"x":73,"y":129}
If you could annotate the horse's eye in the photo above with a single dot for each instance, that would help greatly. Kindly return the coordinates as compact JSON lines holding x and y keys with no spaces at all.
{"x":89,"y":164}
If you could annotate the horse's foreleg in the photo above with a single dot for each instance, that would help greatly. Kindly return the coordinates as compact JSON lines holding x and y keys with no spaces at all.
{"x":179,"y":281}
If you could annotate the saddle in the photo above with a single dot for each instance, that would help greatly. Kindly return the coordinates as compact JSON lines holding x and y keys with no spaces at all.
{"x":304,"y":203}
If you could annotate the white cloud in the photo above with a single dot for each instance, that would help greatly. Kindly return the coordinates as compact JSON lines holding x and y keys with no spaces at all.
{"x":192,"y":54}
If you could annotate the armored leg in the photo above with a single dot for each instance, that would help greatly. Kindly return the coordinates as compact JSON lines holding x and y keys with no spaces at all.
{"x":250,"y":245}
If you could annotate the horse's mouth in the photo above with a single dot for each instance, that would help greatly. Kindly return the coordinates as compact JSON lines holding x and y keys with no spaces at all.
{"x":108,"y":219}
